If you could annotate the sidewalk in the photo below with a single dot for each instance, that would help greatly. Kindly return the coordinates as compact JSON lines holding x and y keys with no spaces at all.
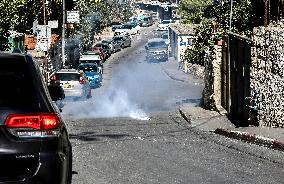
{"x":171,"y":69}
{"x":212,"y":121}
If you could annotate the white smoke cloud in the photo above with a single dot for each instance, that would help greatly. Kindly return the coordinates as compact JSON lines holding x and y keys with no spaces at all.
{"x":115,"y":100}
{"x":115,"y":103}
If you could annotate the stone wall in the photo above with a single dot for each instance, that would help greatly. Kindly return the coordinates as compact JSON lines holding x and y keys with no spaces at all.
{"x":212,"y":79}
{"x":267,"y":75}
{"x":196,"y":70}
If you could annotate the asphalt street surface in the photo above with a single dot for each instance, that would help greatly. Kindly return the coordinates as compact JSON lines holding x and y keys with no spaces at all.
{"x":131,"y":132}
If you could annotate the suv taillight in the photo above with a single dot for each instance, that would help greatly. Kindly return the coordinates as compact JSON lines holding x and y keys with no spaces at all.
{"x":53,"y":78}
{"x":33,"y":125}
{"x":82,"y":80}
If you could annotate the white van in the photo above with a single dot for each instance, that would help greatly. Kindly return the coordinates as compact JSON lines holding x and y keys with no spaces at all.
{"x":92,"y":58}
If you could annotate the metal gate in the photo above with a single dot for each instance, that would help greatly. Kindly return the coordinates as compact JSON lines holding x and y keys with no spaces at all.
{"x":239,"y":78}
{"x":225,"y":96}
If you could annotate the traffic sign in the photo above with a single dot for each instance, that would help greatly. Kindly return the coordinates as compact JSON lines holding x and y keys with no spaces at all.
{"x":53,"y":24}
{"x":43,"y":38}
{"x":73,"y":17}
{"x":42,"y":44}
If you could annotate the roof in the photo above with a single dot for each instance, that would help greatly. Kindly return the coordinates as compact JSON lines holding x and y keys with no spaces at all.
{"x":88,"y":64}
{"x":90,"y":57}
{"x":182,"y":29}
{"x":11,"y":55}
{"x":156,"y":40}
{"x":14,"y":56}
{"x":68,"y":71}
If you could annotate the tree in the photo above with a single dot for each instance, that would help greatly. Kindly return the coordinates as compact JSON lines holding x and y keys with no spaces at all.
{"x":193,"y":11}
{"x":9,"y":16}
{"x":97,"y":14}
{"x":241,"y":16}
{"x":213,"y":20}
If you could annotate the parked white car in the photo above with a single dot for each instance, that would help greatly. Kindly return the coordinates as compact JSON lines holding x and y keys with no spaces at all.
{"x":128,"y":29}
{"x":164,"y":25}
{"x":74,"y":83}
{"x":92,"y":57}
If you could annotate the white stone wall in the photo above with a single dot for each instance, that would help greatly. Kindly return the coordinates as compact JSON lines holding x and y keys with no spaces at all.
{"x":267,"y":74}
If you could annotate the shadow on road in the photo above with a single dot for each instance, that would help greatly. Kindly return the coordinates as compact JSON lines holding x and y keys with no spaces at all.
{"x":92,"y":136}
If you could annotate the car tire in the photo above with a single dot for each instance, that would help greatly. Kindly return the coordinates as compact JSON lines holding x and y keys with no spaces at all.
{"x":70,"y":162}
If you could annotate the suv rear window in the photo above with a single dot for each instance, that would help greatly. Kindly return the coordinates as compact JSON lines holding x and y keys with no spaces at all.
{"x":17,"y":87}
{"x":68,"y":76}
{"x":102,"y":45}
{"x":157,"y":44}
{"x":88,"y":68}
{"x":118,"y":38}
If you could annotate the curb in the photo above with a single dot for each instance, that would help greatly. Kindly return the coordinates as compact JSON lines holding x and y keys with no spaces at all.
{"x":251,"y":138}
{"x":184,"y":115}
{"x":168,"y":74}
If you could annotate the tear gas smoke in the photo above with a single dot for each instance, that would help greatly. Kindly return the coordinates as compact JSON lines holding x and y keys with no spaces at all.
{"x":111,"y":101}
{"x":134,"y":89}
{"x":115,"y":103}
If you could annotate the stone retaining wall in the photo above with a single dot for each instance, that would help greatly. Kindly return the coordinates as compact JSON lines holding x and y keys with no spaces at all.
{"x":196,"y":70}
{"x":267,"y":74}
{"x":212,"y":79}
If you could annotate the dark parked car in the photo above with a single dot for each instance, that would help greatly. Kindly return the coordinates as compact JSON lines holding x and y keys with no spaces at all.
{"x":115,"y":46}
{"x":156,"y":50}
{"x":100,"y":51}
{"x":105,"y":47}
{"x":123,"y":40}
{"x":34,"y":142}
{"x":115,"y":25}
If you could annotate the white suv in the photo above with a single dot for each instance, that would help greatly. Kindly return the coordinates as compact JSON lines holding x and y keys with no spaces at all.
{"x":164,"y":25}
{"x":74,"y":83}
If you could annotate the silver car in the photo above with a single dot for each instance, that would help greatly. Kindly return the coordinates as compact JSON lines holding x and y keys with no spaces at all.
{"x":74,"y":84}
{"x":123,"y":40}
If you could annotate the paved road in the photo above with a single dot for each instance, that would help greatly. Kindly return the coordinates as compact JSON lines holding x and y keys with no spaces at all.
{"x":111,"y":146}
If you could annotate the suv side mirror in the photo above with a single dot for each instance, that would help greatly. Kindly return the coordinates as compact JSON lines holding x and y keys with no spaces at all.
{"x":56,"y":92}
{"x":146,"y":47}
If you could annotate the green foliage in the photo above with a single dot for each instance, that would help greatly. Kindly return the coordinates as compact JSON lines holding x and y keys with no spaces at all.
{"x":241,"y":17}
{"x":193,"y":10}
{"x":96,"y":15}
{"x":8,"y":18}
{"x":208,"y":14}
{"x":27,"y":14}
{"x":200,"y":43}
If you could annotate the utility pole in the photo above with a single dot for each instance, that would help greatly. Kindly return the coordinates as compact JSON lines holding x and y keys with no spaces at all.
{"x":63,"y":33}
{"x":46,"y":52}
{"x":266,"y":12}
{"x":231,"y":15}
{"x":44,"y":12}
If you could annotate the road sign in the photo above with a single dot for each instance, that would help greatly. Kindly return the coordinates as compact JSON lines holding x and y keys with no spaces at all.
{"x":43,"y":37}
{"x":53,"y":24}
{"x":73,"y":17}
{"x":43,"y":31}
{"x":42,"y":44}
{"x":35,"y":24}
{"x":182,"y":43}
